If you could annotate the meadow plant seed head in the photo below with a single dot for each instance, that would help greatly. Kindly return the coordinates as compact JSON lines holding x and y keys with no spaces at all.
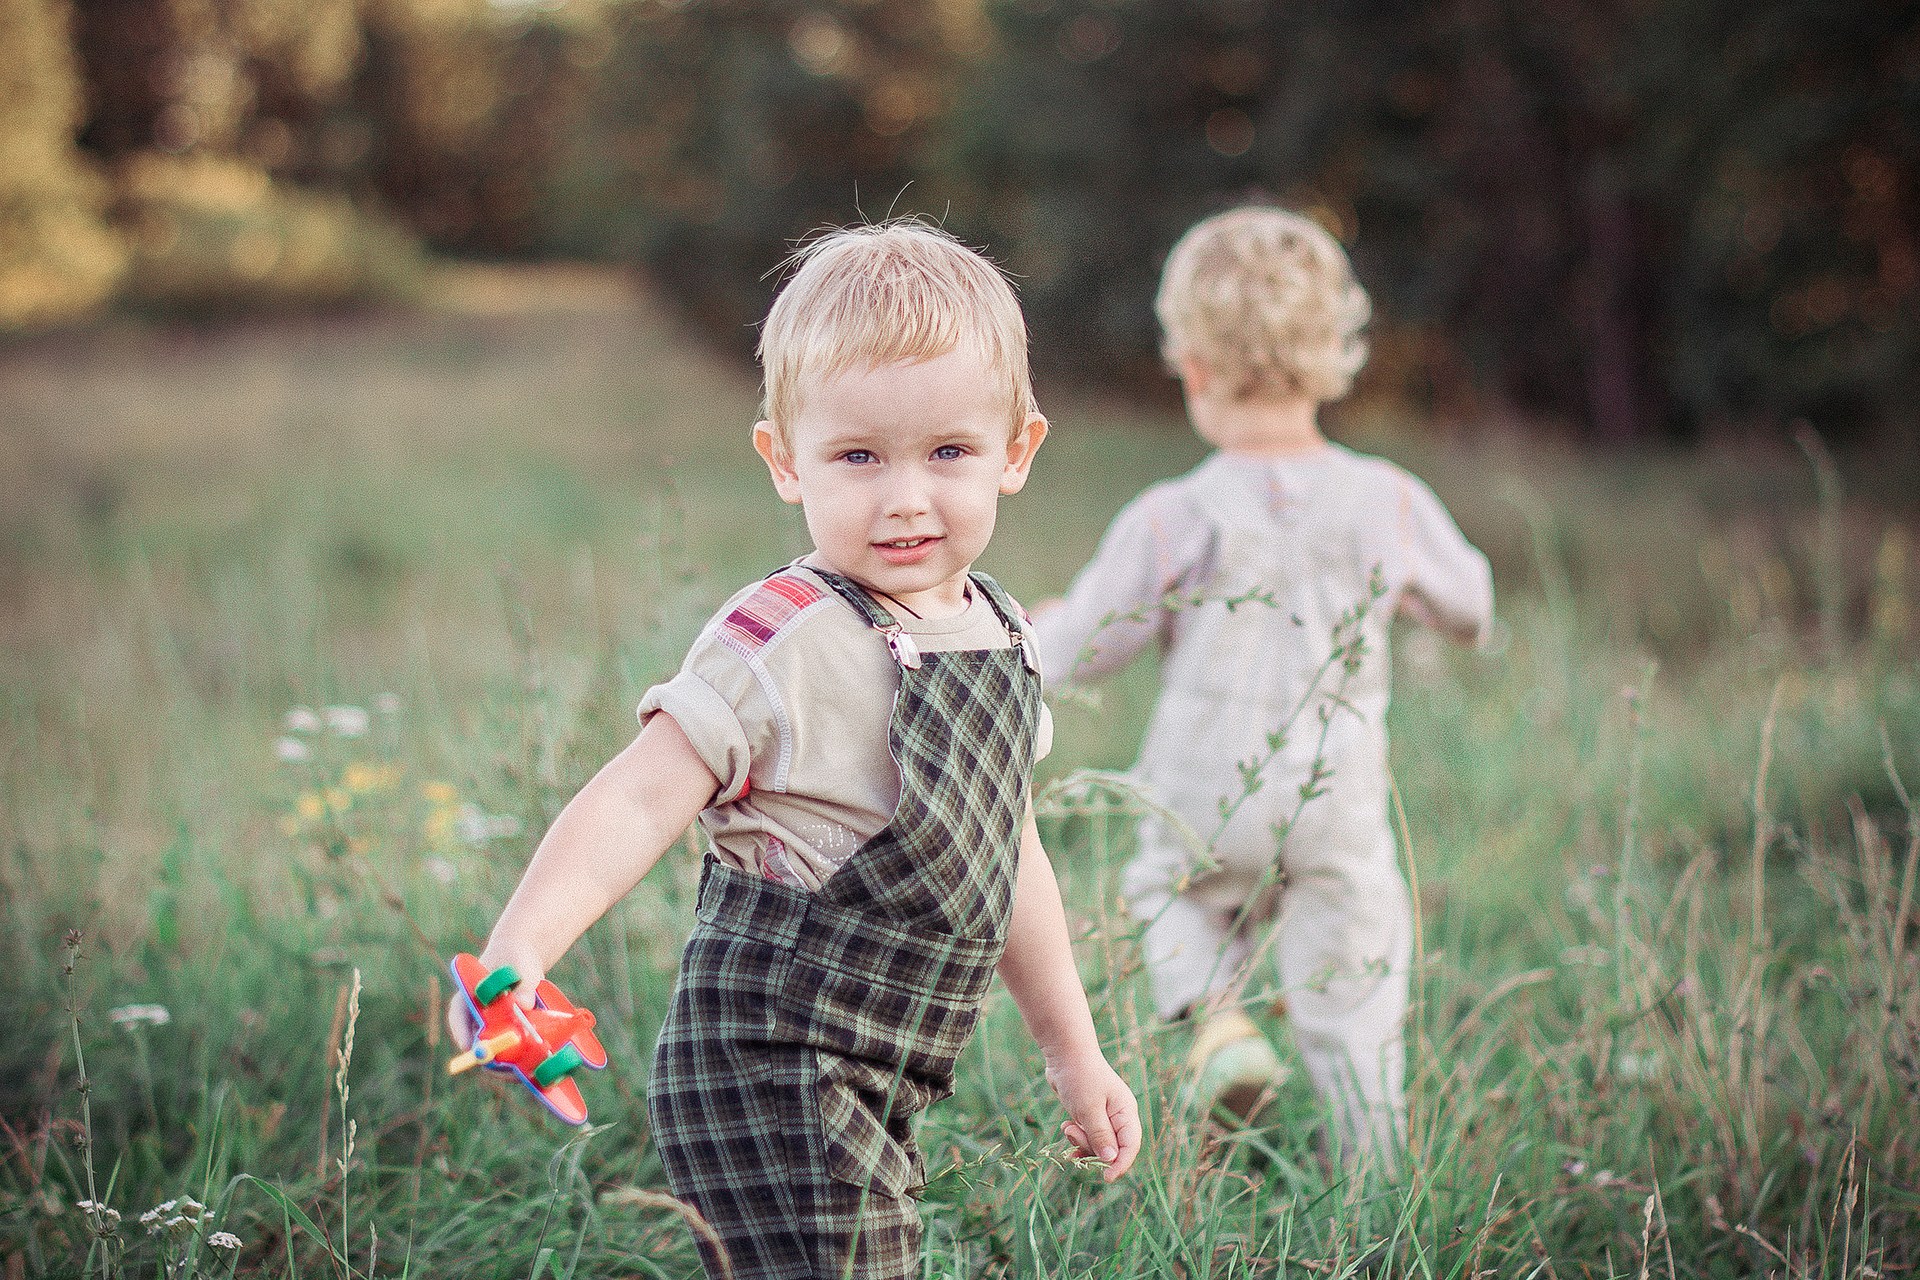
{"x":137,"y":1015}
{"x":347,"y":722}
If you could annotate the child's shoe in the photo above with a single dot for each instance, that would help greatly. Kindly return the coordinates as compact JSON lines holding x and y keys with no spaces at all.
{"x":1234,"y":1071}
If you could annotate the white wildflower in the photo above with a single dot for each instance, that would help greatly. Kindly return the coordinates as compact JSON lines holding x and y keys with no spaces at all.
{"x":93,"y":1208}
{"x":224,"y":1240}
{"x":442,"y":870}
{"x":139,"y":1015}
{"x":1637,"y":1066}
{"x":301,"y":720}
{"x":348,"y":722}
{"x":470,"y":824}
{"x":292,"y":750}
{"x":387,"y":704}
{"x":476,"y":826}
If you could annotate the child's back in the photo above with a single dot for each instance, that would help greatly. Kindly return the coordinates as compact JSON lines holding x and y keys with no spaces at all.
{"x":1312,"y":534}
{"x":1247,"y":573}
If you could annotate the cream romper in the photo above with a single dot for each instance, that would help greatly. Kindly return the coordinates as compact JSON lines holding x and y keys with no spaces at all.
{"x":1309,"y":531}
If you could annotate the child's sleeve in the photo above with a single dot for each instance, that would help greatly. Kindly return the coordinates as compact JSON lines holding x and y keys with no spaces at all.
{"x":1445,"y":580}
{"x":1115,"y":607}
{"x":720,"y":704}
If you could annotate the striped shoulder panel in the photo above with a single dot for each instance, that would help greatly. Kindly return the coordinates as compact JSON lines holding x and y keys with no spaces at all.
{"x":774,"y":604}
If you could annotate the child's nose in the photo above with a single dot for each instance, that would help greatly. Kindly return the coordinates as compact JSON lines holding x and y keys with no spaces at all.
{"x":908,"y":495}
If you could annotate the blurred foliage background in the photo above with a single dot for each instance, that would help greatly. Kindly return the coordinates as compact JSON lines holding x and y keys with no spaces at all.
{"x":1650,"y":221}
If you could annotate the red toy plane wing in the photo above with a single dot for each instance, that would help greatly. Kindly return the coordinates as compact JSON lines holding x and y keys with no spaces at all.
{"x":583,"y":1038}
{"x":470,"y":973}
{"x":563,"y":1099}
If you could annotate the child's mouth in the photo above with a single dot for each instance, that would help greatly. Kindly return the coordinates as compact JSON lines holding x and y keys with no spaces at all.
{"x":905,"y":550}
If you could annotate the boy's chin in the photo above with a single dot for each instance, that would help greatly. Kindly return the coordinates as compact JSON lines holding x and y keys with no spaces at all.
{"x":909,"y":587}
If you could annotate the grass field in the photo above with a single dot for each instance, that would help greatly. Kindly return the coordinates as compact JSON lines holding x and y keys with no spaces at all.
{"x":310,"y":627}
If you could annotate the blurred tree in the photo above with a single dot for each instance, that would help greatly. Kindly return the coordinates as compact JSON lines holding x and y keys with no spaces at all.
{"x":457,"y":112}
{"x":225,"y":77}
{"x":228,"y":131}
{"x":1098,"y":132}
{"x":1786,"y":173}
{"x":725,"y":129}
{"x":1639,"y":218}
{"x":1636,"y":218}
{"x":57,"y":257}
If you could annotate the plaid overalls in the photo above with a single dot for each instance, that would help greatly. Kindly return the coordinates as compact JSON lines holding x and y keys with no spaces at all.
{"x":807,"y":1030}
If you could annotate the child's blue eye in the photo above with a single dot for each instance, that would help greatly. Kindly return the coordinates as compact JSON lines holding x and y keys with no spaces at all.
{"x":858,"y":457}
{"x":950,"y":452}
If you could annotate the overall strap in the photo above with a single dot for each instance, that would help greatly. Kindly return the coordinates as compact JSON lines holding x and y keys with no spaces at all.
{"x":899,"y":643}
{"x":854,"y":594}
{"x":1011,"y":617}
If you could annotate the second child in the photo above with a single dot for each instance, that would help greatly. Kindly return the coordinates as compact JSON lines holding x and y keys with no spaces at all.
{"x":1278,"y":534}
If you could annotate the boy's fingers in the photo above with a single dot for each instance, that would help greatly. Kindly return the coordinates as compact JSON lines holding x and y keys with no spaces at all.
{"x":1077,"y":1136}
{"x":1126,"y":1127}
{"x":1098,"y":1138}
{"x":460,"y":1023}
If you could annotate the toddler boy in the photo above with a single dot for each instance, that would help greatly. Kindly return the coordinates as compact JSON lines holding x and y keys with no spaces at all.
{"x":856,"y":735}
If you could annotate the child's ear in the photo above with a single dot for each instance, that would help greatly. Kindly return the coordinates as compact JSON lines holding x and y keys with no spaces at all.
{"x":1020,"y":451}
{"x":767,"y":443}
{"x":1193,"y":373}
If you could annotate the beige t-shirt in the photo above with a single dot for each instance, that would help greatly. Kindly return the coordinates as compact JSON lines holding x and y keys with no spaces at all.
{"x":787,"y":696}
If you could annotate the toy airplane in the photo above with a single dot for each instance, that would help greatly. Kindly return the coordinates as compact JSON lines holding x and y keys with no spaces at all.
{"x":543,"y":1046}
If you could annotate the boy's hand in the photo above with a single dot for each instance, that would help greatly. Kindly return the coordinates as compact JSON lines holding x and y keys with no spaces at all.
{"x":1106,"y":1119}
{"x":460,"y":1019}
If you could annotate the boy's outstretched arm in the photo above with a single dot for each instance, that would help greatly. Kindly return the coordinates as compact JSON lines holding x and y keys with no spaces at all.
{"x":609,"y":836}
{"x":1038,"y":969}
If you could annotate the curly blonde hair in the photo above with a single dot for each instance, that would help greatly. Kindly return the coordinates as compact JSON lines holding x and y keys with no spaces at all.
{"x":899,"y":290}
{"x":1266,"y":299}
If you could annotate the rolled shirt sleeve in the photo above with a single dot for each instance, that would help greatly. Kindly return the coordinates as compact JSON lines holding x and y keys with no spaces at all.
{"x":716,"y":701}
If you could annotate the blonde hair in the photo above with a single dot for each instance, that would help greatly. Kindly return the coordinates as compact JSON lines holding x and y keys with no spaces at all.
{"x":873,"y":295}
{"x":1266,"y":300}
